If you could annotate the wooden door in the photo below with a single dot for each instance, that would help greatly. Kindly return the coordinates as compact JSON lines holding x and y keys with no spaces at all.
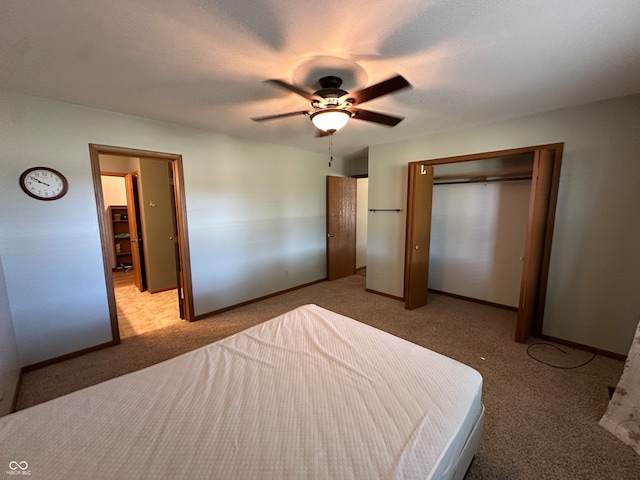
{"x":137,"y":255}
{"x":534,"y":249}
{"x":418,"y":235}
{"x":341,"y":227}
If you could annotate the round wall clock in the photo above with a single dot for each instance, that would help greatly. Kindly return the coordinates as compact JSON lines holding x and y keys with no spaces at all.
{"x":43,"y":183}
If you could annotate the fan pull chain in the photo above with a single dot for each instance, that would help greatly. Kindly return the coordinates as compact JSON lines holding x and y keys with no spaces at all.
{"x":330,"y":149}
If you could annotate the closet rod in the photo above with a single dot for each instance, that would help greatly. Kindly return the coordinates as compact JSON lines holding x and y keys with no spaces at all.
{"x":484,"y":180}
{"x":385,"y":210}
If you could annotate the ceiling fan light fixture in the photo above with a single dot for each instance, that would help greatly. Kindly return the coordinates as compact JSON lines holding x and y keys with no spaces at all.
{"x":331,"y":119}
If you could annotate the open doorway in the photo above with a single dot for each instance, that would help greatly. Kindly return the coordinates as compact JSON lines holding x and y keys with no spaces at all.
{"x":362,"y":216}
{"x":478,"y":228}
{"x":139,"y":195}
{"x":120,"y":193}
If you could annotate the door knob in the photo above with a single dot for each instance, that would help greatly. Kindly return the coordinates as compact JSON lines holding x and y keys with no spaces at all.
{"x":330,"y":235}
{"x":417,"y":247}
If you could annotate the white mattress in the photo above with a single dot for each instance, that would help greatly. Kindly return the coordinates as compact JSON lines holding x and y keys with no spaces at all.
{"x":307,"y":395}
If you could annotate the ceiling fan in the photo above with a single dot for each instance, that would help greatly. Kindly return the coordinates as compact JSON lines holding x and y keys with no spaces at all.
{"x":332,"y":107}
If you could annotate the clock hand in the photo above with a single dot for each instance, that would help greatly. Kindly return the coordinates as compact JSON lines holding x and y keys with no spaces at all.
{"x":39,"y":181}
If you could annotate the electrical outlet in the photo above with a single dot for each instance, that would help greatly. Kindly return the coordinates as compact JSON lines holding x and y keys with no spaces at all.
{"x":286,"y":274}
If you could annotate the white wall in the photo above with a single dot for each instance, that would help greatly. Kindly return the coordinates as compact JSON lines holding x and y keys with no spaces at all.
{"x":593,"y":293}
{"x":114,"y":191}
{"x":362,"y":205}
{"x":254,"y":210}
{"x":9,"y":364}
{"x":477,"y":240}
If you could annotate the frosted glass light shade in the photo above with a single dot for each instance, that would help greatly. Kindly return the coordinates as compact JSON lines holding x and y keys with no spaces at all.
{"x":330,"y":120}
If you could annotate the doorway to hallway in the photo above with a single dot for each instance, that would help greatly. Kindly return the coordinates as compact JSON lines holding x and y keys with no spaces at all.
{"x":169,"y":166}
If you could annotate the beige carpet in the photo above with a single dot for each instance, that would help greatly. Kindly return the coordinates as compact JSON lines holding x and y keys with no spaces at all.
{"x":541,"y":422}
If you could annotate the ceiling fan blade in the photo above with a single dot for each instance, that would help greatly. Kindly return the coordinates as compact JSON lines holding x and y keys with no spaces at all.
{"x":383,"y":88}
{"x":293,"y":88}
{"x":375,"y":117}
{"x":280,"y":115}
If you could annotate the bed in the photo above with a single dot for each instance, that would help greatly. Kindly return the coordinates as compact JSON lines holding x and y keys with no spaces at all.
{"x":310,"y":394}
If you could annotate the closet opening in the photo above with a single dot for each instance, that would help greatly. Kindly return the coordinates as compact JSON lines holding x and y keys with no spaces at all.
{"x":480,"y":226}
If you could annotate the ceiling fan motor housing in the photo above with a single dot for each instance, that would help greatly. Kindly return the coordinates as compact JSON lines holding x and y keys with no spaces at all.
{"x":330,"y":81}
{"x":330,"y":94}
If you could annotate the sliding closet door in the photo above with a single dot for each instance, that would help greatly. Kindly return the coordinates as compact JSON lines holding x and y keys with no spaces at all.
{"x":537,"y":239}
{"x":418,"y":236}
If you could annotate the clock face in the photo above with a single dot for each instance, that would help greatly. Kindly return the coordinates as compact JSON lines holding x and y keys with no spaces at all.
{"x":43,"y":183}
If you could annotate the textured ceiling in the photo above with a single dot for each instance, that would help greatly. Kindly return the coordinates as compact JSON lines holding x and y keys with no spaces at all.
{"x":202,"y":63}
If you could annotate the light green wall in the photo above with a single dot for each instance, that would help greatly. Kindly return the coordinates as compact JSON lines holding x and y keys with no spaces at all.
{"x":9,"y":365}
{"x":593,"y":294}
{"x":254,"y":211}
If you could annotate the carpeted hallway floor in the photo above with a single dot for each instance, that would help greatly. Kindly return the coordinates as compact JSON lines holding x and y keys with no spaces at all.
{"x":541,"y":422}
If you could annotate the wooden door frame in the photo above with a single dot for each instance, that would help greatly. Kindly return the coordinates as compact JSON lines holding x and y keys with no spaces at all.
{"x":95,"y":150}
{"x":522,"y":333}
